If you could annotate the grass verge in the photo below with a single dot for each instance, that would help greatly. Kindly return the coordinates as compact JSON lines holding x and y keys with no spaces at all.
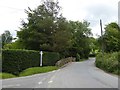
{"x":29,"y":71}
{"x":36,"y":70}
{"x":6,"y":75}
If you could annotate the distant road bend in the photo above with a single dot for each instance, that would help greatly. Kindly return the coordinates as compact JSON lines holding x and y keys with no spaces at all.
{"x":75,"y":75}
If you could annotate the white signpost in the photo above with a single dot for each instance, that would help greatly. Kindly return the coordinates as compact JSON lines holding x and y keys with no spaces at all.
{"x":41,"y":53}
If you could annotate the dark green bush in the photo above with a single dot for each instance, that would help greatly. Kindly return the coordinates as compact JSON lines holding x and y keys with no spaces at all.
{"x":109,"y":62}
{"x":50,"y":58}
{"x":77,"y":57}
{"x":15,"y":61}
{"x":71,"y":52}
{"x":92,"y":55}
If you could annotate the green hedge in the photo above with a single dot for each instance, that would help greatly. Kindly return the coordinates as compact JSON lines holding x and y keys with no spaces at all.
{"x":15,"y":61}
{"x":50,"y":58}
{"x":77,"y":57}
{"x":110,"y":62}
{"x":92,"y":55}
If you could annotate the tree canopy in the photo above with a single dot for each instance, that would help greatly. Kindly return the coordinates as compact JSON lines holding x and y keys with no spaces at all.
{"x":48,"y":30}
{"x":6,"y":38}
{"x":111,"y":38}
{"x":43,"y":23}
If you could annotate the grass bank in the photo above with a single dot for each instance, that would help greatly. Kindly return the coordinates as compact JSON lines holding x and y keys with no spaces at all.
{"x":6,"y":75}
{"x":36,"y":70}
{"x":29,"y":71}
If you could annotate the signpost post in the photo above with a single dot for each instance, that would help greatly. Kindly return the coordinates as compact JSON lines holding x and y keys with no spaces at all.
{"x":41,"y":53}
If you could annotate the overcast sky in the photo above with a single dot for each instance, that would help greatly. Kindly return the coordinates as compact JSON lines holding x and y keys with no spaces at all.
{"x":12,"y":12}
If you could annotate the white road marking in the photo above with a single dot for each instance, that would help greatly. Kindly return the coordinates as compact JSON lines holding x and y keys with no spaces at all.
{"x":39,"y":82}
{"x":50,"y":81}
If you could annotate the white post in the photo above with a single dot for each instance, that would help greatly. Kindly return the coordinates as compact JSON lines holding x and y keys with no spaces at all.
{"x":41,"y":53}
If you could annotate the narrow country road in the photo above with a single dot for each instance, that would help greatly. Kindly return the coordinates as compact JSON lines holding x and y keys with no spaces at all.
{"x":75,"y":75}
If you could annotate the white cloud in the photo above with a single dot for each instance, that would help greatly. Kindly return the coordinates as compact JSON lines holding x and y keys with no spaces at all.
{"x":12,"y":11}
{"x":91,"y":10}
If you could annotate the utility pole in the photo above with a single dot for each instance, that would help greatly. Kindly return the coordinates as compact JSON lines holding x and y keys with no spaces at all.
{"x":102,"y":38}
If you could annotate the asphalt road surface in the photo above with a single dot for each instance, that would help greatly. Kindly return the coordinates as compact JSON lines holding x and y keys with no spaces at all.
{"x":74,"y":75}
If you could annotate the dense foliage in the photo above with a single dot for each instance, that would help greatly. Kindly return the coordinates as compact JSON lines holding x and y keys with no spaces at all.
{"x":48,"y":30}
{"x":80,"y":40}
{"x":50,"y":58}
{"x":18,"y":60}
{"x":94,"y":47}
{"x":6,"y":38}
{"x":109,"y":62}
{"x":77,"y":57}
{"x":14,"y":45}
{"x":111,"y":38}
{"x":109,"y":59}
{"x":44,"y":26}
{"x":22,"y":59}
